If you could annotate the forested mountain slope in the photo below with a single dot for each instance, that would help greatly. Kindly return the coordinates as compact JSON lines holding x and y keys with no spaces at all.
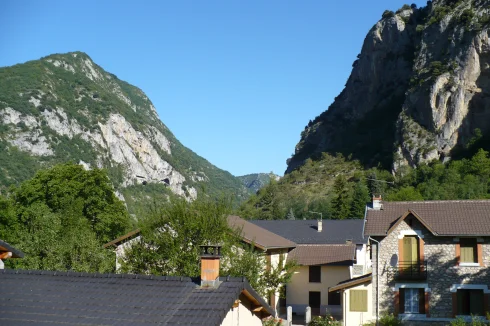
{"x":66,"y":108}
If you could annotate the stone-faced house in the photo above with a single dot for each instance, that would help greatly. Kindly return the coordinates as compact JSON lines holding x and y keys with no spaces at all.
{"x":71,"y":298}
{"x":430,"y":258}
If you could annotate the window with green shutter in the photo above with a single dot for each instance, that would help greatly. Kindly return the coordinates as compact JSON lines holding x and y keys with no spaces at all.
{"x":358,"y":300}
{"x":468,"y":251}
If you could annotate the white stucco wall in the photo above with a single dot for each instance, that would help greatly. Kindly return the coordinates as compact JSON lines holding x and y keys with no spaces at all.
{"x":121,"y":250}
{"x":241,"y":316}
{"x":297,"y":294}
{"x":353,"y":318}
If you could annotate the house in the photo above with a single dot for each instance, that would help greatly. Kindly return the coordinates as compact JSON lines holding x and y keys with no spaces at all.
{"x":327,"y":252}
{"x":7,"y":251}
{"x":275,"y":247}
{"x":430,"y":258}
{"x":35,"y":297}
{"x":356,"y":296}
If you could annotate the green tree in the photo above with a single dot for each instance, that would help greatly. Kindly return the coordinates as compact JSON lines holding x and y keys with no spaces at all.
{"x":171,"y":236}
{"x":61,"y":218}
{"x":359,"y":200}
{"x":341,"y":202}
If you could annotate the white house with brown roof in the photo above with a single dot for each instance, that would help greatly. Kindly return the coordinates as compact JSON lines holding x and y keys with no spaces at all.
{"x":430,"y":259}
{"x":327,"y":252}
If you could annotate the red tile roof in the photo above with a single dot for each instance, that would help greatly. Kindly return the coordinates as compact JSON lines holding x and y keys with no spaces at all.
{"x":307,"y":255}
{"x":443,"y":217}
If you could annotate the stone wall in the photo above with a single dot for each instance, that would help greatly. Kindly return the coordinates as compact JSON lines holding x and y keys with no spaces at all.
{"x":443,"y":270}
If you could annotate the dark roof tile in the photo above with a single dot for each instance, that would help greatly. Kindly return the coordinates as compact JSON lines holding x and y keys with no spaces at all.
{"x":306,"y":231}
{"x":36,"y":297}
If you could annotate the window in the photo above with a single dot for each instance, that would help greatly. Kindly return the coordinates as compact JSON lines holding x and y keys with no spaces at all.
{"x":358,"y":300}
{"x":468,"y":251}
{"x":315,"y":274}
{"x":412,"y":301}
{"x":470,"y":302}
{"x":314,"y":299}
{"x":334,"y":298}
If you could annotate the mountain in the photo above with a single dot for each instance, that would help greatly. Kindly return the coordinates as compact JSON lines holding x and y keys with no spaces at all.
{"x":256,"y":181}
{"x":64,"y":107}
{"x":419,"y":90}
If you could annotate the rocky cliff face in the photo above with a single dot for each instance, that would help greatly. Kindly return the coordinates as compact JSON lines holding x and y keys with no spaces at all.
{"x":418,"y":91}
{"x":67,"y":108}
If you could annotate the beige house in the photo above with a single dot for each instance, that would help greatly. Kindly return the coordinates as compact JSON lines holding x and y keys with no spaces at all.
{"x":430,"y":258}
{"x":327,"y":252}
{"x":356,"y":300}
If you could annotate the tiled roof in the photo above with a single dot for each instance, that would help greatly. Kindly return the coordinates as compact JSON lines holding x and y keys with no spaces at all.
{"x":41,"y":297}
{"x":352,"y":282}
{"x":307,"y":255}
{"x":444,"y":217}
{"x":258,"y":235}
{"x":5,"y":247}
{"x":306,"y":232}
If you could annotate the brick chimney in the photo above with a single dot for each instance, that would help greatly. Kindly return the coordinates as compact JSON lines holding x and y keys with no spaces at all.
{"x":210,"y":256}
{"x":377,"y":202}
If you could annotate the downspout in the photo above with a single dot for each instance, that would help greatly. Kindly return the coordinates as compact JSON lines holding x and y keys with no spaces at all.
{"x":377,"y":279}
{"x":345,"y":307}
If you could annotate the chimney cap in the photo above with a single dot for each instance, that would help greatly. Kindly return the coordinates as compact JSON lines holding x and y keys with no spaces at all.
{"x":210,"y":251}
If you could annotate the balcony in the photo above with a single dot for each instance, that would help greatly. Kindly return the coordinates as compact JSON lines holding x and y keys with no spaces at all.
{"x":408,"y":271}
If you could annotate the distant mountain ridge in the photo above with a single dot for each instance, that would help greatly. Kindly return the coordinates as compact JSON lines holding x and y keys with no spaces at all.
{"x":255,"y":181}
{"x":64,"y":107}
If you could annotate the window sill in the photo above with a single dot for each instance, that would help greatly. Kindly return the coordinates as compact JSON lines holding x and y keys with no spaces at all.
{"x":469,"y":265}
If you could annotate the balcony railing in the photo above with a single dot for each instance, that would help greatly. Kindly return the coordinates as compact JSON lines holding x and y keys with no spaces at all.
{"x":409,"y":271}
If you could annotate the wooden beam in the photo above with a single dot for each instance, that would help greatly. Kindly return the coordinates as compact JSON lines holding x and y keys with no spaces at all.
{"x":5,"y":255}
{"x":258,"y":309}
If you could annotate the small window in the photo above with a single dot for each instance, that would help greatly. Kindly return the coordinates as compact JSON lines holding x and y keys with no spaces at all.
{"x":358,"y":300}
{"x":470,"y":302}
{"x":412,"y":301}
{"x":334,"y":298}
{"x":468,"y":251}
{"x":315,"y":274}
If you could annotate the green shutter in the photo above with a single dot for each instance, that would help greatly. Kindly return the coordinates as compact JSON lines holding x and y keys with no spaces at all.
{"x":358,"y":300}
{"x":476,"y":302}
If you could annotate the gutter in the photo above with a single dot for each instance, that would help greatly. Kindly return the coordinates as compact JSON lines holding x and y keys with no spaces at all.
{"x":377,"y":278}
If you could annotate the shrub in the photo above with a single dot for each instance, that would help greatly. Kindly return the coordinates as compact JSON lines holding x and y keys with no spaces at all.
{"x":389,"y":320}
{"x":458,"y":322}
{"x":271,"y":321}
{"x":328,"y":320}
{"x":388,"y":14}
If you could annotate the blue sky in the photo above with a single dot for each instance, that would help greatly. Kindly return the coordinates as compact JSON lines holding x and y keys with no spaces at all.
{"x":235,"y":81}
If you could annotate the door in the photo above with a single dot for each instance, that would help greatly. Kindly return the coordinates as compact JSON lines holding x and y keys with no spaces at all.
{"x":314,"y":300}
{"x":410,"y":261}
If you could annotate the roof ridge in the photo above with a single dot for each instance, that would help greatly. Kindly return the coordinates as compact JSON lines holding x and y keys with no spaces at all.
{"x":439,"y":201}
{"x":96,"y":275}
